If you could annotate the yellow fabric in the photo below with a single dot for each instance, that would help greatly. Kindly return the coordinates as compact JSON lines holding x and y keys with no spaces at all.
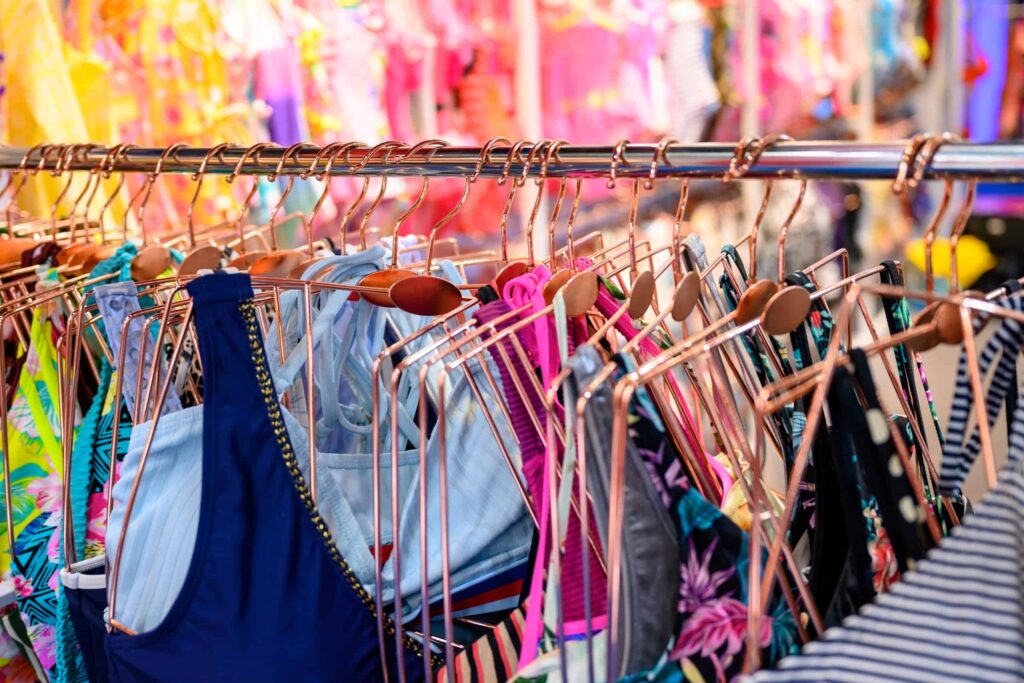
{"x":736,"y":506}
{"x":42,"y":102}
{"x":973,"y":258}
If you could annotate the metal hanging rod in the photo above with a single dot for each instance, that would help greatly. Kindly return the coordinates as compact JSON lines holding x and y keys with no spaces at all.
{"x":999,"y":162}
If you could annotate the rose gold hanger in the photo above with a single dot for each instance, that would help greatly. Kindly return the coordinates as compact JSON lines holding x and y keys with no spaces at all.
{"x":280,"y":262}
{"x":19,"y":173}
{"x":332,"y":152}
{"x":387,"y":147}
{"x":152,"y":259}
{"x":510,"y":270}
{"x":954,"y":322}
{"x":85,"y":262}
{"x":246,"y":259}
{"x":622,"y":394}
{"x":387,"y":277}
{"x":206,"y":257}
{"x":428,"y":294}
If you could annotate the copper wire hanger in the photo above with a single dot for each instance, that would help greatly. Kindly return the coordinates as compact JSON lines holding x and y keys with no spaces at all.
{"x":962,"y":306}
{"x":209,"y":256}
{"x":19,"y":174}
{"x":280,"y":262}
{"x":33,"y":227}
{"x":331,"y":152}
{"x":245,"y":259}
{"x":510,"y":270}
{"x":152,"y":259}
{"x":428,"y":294}
{"x":387,"y":277}
{"x":387,"y":147}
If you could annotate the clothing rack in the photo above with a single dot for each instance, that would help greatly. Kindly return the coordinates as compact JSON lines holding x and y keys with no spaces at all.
{"x":999,"y":162}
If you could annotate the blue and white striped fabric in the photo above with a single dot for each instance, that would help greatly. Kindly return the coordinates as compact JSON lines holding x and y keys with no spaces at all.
{"x":958,"y":455}
{"x":959,"y":615}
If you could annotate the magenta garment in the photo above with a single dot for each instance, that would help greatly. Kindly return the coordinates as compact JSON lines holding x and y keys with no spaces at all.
{"x":402,"y":77}
{"x":579,"y":68}
{"x":532,"y":450}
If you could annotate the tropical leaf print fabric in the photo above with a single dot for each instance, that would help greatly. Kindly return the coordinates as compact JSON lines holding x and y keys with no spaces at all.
{"x":36,"y":471}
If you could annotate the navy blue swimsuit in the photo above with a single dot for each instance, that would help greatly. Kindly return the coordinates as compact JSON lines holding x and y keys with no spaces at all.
{"x":267,"y":596}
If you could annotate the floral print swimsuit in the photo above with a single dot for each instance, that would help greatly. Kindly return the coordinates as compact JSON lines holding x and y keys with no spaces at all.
{"x":714,"y":560}
{"x":36,"y":466}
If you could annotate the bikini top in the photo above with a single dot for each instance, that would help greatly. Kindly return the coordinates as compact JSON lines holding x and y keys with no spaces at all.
{"x":482,"y":546}
{"x":960,"y":449}
{"x":347,"y":338}
{"x":264,"y":569}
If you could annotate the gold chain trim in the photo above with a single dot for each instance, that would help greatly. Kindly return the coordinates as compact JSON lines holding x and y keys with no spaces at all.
{"x":284,"y":443}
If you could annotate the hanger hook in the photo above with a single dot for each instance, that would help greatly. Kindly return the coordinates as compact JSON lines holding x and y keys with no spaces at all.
{"x":434,"y":145}
{"x":916,"y":157}
{"x":278,"y":170}
{"x":618,"y":156}
{"x":684,"y":196}
{"x":332,"y":152}
{"x":535,"y":148}
{"x":254,"y":152}
{"x":513,"y":152}
{"x":559,"y":198}
{"x":95,"y":180}
{"x":660,"y":154}
{"x":20,"y":172}
{"x":485,"y":155}
{"x":151,"y":180}
{"x":44,"y":155}
{"x":513,"y":188}
{"x":538,"y":149}
{"x":925,"y":160}
{"x":197,"y":177}
{"x":63,"y":166}
{"x":739,"y":155}
{"x":388,"y":147}
{"x":907,"y":159}
{"x":746,"y":156}
{"x":83,"y":156}
{"x":118,"y":152}
{"x":359,"y":198}
{"x":434,"y":231}
{"x":103,"y":172}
